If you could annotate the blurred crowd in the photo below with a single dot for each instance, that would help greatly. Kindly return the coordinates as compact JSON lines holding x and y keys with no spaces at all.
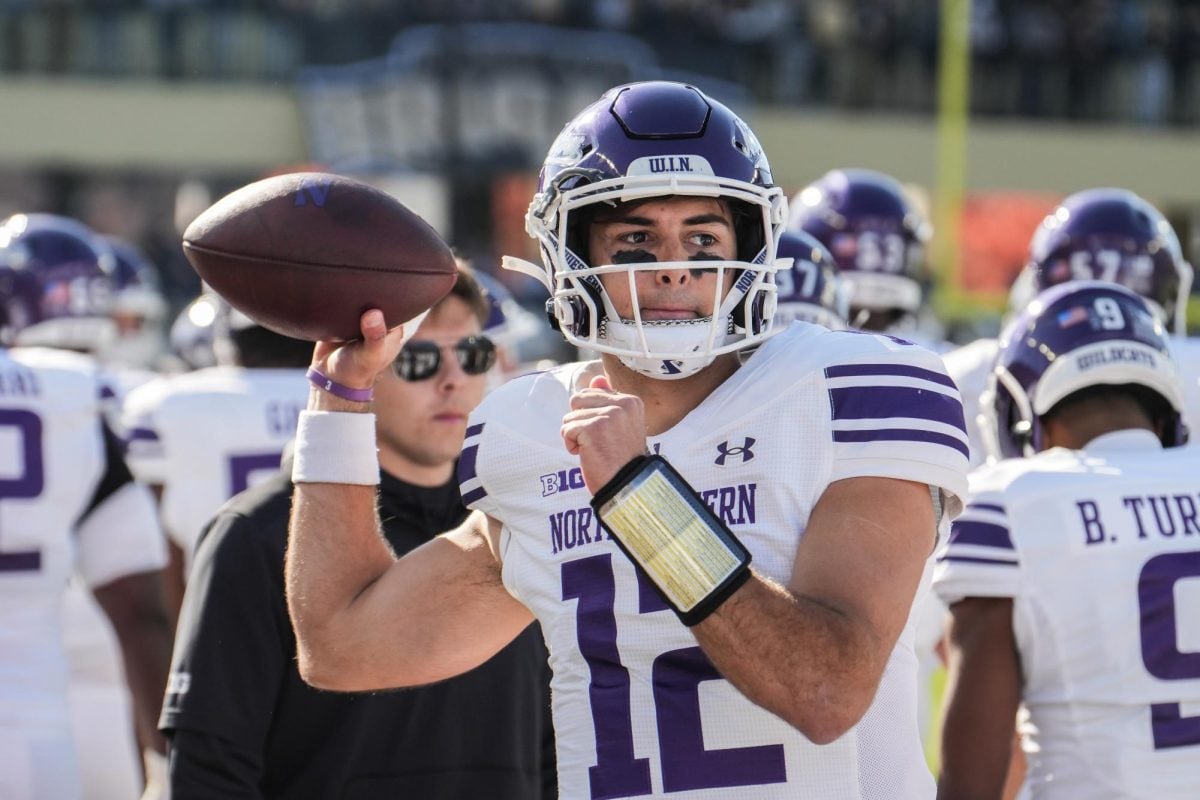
{"x":1123,"y":60}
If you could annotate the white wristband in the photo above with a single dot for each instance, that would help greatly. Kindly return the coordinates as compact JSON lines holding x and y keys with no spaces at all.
{"x":335,"y":447}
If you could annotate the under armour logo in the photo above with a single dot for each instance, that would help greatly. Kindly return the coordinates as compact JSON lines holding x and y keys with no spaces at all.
{"x":726,"y":451}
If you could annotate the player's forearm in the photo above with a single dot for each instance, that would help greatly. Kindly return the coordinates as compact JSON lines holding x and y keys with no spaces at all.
{"x":134,"y":605}
{"x":809,"y":663}
{"x":335,"y":553}
{"x":982,"y":696}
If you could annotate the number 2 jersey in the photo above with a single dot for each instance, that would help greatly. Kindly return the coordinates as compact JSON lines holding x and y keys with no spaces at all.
{"x":638,"y":708}
{"x":67,"y":504}
{"x":1099,"y":550}
{"x":205,"y":436}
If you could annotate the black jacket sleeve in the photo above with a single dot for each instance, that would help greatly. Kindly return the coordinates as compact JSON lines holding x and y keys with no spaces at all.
{"x":205,"y":766}
{"x":230,"y":655}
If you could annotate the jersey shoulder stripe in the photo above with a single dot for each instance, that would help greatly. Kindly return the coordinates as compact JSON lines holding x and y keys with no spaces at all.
{"x":469,"y":484}
{"x":981,"y":536}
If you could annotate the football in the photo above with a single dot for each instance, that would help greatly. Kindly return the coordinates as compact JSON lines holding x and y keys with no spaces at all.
{"x":305,"y":254}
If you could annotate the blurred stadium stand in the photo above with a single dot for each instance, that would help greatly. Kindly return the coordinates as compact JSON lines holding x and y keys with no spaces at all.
{"x":1116,"y":60}
{"x":114,"y":103}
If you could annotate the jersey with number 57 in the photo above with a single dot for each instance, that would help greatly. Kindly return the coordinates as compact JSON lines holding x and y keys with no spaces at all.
{"x":1100,"y":551}
{"x":639,"y":711}
{"x":205,"y":436}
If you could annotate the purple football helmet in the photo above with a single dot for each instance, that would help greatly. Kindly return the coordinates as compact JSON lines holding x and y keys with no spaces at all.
{"x":1112,"y":337}
{"x":136,"y":288}
{"x":811,"y":289}
{"x":193,"y":333}
{"x":1113,"y":235}
{"x":641,"y":141}
{"x":875,"y":235}
{"x":138,"y":309}
{"x":55,"y":283}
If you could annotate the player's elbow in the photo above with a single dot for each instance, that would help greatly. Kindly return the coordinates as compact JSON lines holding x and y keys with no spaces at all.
{"x":320,"y":672}
{"x":326,"y":664}
{"x":823,"y":726}
{"x":839,"y":706}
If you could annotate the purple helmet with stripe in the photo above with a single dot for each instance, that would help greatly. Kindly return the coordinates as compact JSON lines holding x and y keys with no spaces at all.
{"x":1113,"y":235}
{"x":652,"y":140}
{"x":55,"y":283}
{"x":875,"y":234}
{"x":1072,"y":337}
{"x":810,"y":290}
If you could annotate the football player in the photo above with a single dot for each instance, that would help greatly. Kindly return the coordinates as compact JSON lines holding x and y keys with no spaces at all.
{"x":138,"y":311}
{"x":200,"y":438}
{"x":507,"y":326}
{"x":810,"y":289}
{"x":1071,"y":574}
{"x":878,"y":239}
{"x":69,"y":504}
{"x":621,"y":501}
{"x":191,"y":336}
{"x":1101,"y":234}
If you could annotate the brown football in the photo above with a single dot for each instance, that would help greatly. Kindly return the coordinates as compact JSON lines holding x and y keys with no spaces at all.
{"x":305,"y":254}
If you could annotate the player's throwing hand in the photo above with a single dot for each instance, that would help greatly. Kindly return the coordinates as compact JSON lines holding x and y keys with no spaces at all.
{"x":358,"y":363}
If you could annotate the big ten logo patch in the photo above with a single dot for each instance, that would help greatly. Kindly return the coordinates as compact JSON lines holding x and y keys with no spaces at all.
{"x":562,"y":481}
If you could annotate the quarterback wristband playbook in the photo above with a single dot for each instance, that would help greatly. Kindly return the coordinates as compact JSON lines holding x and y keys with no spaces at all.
{"x":657,"y":518}
{"x":335,"y":447}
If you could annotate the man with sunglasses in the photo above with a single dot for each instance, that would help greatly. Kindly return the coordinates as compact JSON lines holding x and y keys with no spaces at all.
{"x":620,"y":502}
{"x":241,"y":721}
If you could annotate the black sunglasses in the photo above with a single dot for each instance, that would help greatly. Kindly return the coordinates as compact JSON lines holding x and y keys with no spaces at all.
{"x":421,"y":359}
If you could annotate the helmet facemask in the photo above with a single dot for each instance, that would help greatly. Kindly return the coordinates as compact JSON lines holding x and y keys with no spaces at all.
{"x":665,"y":349}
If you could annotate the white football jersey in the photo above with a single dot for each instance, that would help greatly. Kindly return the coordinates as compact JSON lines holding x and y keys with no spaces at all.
{"x":205,"y":436}
{"x":970,"y":366}
{"x":1100,"y":551}
{"x":52,"y":461}
{"x":638,"y":708}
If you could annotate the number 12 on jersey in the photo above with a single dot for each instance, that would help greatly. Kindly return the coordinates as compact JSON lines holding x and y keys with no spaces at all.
{"x":676,"y":676}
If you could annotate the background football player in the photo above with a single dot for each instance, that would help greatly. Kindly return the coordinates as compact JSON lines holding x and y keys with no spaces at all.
{"x":1101,"y":234}
{"x":878,"y":238}
{"x":201,"y":437}
{"x":1070,"y":571}
{"x":70,"y":506}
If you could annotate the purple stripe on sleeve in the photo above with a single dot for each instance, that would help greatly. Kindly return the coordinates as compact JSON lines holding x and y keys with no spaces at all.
{"x":999,"y":509}
{"x":474,"y":496}
{"x":985,"y":534}
{"x":902,"y":370}
{"x":466,"y":463}
{"x":882,"y":402}
{"x":901,"y":435}
{"x":1008,"y":562}
{"x":475,"y":430}
{"x":142,"y":435}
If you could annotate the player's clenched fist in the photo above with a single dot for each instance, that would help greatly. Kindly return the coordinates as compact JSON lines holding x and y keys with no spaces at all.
{"x":606,"y":429}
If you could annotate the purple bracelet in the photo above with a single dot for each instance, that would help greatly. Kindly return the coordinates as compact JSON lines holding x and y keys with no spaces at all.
{"x":328,"y":384}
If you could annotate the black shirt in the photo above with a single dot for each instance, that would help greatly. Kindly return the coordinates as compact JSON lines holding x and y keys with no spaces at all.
{"x":243,"y":724}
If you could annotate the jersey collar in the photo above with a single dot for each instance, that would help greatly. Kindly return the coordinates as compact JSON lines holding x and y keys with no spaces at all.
{"x":1130,"y":439}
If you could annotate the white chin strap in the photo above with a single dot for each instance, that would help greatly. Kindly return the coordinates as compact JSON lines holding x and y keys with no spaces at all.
{"x":665,"y":336}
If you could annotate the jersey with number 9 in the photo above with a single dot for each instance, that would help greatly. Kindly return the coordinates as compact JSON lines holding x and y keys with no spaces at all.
{"x":1100,"y":552}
